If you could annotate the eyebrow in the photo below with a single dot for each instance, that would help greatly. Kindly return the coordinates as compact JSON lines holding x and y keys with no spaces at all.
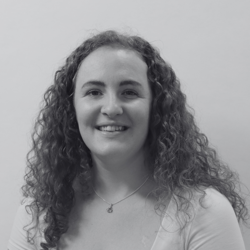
{"x":102,"y":84}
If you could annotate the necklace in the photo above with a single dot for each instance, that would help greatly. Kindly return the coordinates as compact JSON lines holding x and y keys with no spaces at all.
{"x":110,"y":209}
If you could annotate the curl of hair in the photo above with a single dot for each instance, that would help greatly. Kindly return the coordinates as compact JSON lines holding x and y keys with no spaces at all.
{"x":182,"y":161}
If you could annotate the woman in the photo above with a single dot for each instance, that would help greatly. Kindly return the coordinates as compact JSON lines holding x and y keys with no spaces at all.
{"x":118,"y":163}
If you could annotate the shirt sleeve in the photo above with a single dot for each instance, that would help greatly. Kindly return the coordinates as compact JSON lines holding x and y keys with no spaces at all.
{"x":215,"y":227}
{"x":18,"y":237}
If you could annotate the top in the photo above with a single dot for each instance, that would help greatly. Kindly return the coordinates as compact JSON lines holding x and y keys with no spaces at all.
{"x":213,"y":226}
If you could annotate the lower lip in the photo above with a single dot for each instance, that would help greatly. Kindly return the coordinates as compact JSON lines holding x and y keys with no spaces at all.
{"x":107,"y":133}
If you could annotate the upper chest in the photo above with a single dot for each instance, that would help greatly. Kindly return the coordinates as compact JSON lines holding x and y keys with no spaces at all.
{"x":128,"y":227}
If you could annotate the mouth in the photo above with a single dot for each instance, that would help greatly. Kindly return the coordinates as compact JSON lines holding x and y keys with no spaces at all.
{"x":112,"y":128}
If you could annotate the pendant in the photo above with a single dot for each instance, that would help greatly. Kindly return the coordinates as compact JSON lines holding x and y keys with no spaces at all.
{"x":110,"y":209}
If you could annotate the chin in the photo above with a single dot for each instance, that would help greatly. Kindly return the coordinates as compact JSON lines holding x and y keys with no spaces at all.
{"x":115,"y":152}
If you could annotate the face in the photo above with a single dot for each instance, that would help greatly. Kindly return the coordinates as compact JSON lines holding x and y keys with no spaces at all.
{"x":112,"y":100}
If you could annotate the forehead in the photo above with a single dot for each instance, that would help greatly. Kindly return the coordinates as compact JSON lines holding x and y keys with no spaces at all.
{"x":115,"y":59}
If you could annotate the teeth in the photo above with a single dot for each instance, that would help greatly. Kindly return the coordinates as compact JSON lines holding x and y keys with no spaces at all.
{"x":111,"y":128}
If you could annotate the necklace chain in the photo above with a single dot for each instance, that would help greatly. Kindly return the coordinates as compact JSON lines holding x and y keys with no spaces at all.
{"x":110,"y":209}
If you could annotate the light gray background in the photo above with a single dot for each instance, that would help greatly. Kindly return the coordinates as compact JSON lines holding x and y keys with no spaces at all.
{"x":206,"y":42}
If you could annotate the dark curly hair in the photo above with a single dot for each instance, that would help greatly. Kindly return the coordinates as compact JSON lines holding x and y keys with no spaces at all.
{"x":182,"y":161}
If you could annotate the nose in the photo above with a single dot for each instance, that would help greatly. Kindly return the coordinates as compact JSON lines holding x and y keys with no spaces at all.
{"x":111,"y":107}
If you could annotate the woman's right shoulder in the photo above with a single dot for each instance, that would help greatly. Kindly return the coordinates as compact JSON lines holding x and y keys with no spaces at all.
{"x":23,"y":221}
{"x":24,"y":213}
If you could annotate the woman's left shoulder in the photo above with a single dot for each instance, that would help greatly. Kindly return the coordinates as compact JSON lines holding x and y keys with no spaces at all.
{"x":215,"y":224}
{"x":211,"y":205}
{"x":211,"y":199}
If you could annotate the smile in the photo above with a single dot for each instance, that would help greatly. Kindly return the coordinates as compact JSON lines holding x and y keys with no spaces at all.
{"x":111,"y":128}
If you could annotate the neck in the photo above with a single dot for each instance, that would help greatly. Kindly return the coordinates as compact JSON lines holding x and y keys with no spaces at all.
{"x":116,"y":179}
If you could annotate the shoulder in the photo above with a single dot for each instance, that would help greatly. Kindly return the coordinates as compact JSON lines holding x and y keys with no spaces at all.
{"x":214,"y":199}
{"x":211,"y":207}
{"x":22,"y":222}
{"x":24,"y":214}
{"x":214,"y":225}
{"x":211,"y":202}
{"x":208,"y":202}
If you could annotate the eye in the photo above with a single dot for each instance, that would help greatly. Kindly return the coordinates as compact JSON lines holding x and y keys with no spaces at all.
{"x":130,"y":93}
{"x":94,"y":92}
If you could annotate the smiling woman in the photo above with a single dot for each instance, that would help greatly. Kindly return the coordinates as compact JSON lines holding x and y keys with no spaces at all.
{"x":118,"y":163}
{"x":112,"y":101}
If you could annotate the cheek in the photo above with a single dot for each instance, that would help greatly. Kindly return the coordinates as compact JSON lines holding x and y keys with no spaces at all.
{"x":84,"y":113}
{"x":141,"y":118}
{"x":143,"y":112}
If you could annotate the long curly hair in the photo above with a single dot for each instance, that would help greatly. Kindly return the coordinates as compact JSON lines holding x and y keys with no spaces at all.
{"x":182,"y":161}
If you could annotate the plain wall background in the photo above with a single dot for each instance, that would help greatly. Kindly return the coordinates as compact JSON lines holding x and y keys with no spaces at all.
{"x":205,"y":41}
